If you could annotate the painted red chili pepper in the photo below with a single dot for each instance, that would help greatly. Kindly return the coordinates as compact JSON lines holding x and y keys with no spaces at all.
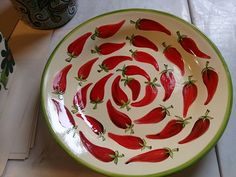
{"x":101,"y":153}
{"x":153,"y":156}
{"x":80,"y":99}
{"x":85,"y":70}
{"x":107,"y":48}
{"x":60,"y":82}
{"x":76,"y":47}
{"x":129,"y":142}
{"x":64,"y":116}
{"x":168,"y":82}
{"x":210,"y":79}
{"x":190,"y":46}
{"x":118,"y":95}
{"x":94,"y":124}
{"x":174,"y":57}
{"x":151,"y":92}
{"x":141,"y":41}
{"x":134,"y":86}
{"x":111,"y":62}
{"x":172,"y":128}
{"x":154,"y":116}
{"x":149,"y":25}
{"x":120,"y":119}
{"x":97,"y":92}
{"x":107,"y":31}
{"x":131,"y":70}
{"x":199,"y":128}
{"x":189,"y":93}
{"x":145,"y":58}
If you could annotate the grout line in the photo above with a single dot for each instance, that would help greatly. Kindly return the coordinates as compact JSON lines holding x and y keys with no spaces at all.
{"x":34,"y":126}
{"x":218,"y":160}
{"x":190,"y":12}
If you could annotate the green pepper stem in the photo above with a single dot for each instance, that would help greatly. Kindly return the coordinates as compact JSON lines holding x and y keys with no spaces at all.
{"x":130,"y":128}
{"x":166,"y":67}
{"x":69,"y":59}
{"x":175,"y":150}
{"x":144,"y":145}
{"x":171,"y":106}
{"x":164,"y":45}
{"x":153,"y":83}
{"x":93,"y":51}
{"x":95,"y":34}
{"x":132,"y":52}
{"x":207,"y":112}
{"x":178,"y":34}
{"x":132,"y":22}
{"x":207,"y":64}
{"x":128,"y":38}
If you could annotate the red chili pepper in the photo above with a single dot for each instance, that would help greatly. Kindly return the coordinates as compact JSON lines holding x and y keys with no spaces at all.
{"x":210,"y":79}
{"x":94,"y":124}
{"x":199,"y":128}
{"x":76,"y":47}
{"x":168,"y":82}
{"x":189,"y":93}
{"x":153,"y":156}
{"x":80,"y":99}
{"x":129,"y":142}
{"x":145,"y":58}
{"x":101,"y":153}
{"x":134,"y":86}
{"x":120,"y":119}
{"x":107,"y":31}
{"x":140,"y":41}
{"x":107,"y":48}
{"x":190,"y":46}
{"x":97,"y":92}
{"x":172,"y":128}
{"x":84,"y":71}
{"x":150,"y":25}
{"x":154,"y":116}
{"x":150,"y":94}
{"x":118,"y":95}
{"x":64,"y":116}
{"x":111,"y":62}
{"x":59,"y":81}
{"x":133,"y":70}
{"x":174,"y":57}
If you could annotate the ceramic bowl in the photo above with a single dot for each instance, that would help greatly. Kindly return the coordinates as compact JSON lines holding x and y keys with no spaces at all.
{"x":136,"y":93}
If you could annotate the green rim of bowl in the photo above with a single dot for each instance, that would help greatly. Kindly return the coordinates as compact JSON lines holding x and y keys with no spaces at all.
{"x":167,"y":172}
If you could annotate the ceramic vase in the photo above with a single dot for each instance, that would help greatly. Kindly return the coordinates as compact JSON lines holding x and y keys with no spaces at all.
{"x":45,"y":14}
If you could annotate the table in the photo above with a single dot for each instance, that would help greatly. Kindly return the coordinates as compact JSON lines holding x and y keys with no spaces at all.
{"x":215,"y":18}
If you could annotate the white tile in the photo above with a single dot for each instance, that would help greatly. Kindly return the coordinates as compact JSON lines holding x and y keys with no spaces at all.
{"x":217,"y":19}
{"x":30,"y":49}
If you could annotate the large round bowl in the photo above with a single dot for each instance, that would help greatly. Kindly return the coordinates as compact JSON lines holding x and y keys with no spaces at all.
{"x":136,"y":93}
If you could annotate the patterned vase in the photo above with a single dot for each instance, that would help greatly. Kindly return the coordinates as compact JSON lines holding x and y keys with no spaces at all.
{"x":45,"y":14}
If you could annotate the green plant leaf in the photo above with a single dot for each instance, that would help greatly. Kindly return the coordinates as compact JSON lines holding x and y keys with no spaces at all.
{"x":11,"y":68}
{"x":4,"y":53}
{"x":7,"y":72}
{"x":3,"y":64}
{"x":4,"y":80}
